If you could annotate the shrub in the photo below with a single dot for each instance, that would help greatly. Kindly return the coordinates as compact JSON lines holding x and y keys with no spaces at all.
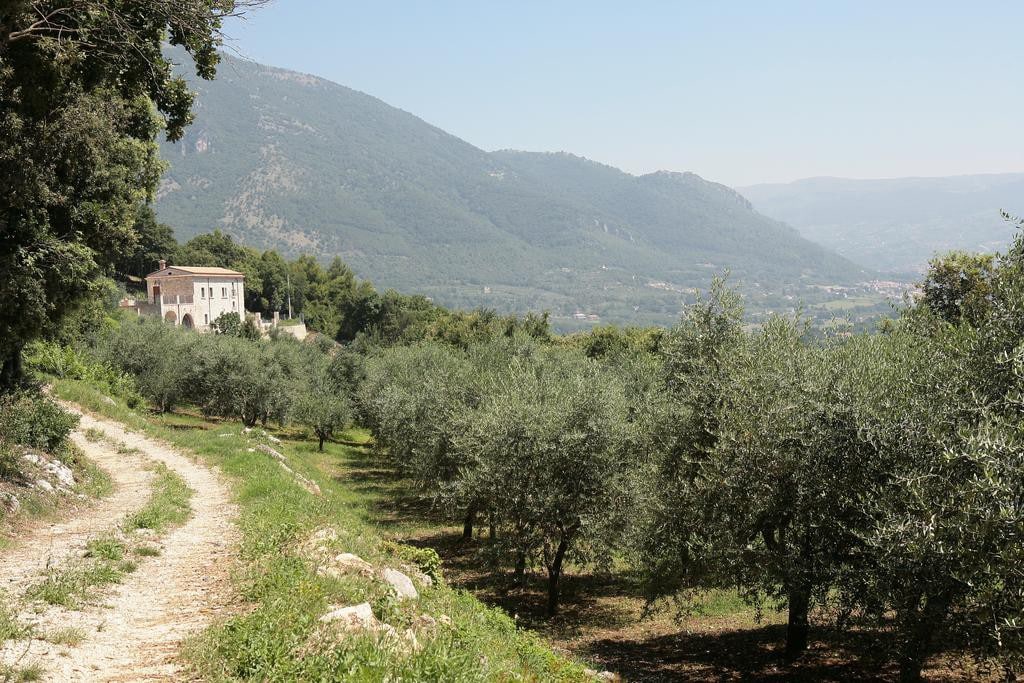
{"x":425,"y":559}
{"x":31,"y":419}
{"x":227,"y":323}
{"x":67,"y":362}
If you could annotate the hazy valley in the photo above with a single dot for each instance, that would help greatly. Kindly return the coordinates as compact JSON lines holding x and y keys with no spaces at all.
{"x":293,"y":162}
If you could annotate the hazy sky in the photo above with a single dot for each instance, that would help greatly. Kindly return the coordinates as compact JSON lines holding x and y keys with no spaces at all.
{"x":738,"y":92}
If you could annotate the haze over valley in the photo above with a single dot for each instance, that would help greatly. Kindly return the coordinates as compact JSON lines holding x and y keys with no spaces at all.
{"x":289,"y":161}
{"x":897,"y":224}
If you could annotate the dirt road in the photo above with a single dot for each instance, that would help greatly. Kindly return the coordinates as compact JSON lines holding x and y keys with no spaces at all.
{"x":134,"y":632}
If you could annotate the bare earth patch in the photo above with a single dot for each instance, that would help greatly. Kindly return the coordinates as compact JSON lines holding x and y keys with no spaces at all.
{"x":136,"y":632}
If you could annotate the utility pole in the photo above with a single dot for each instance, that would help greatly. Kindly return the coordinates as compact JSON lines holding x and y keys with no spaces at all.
{"x":288,"y":275}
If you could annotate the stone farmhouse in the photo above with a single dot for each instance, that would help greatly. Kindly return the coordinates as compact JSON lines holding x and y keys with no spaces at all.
{"x":191,"y":296}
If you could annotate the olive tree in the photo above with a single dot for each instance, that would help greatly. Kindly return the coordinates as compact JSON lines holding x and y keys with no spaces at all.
{"x":413,"y":398}
{"x":321,"y":404}
{"x":546,"y":447}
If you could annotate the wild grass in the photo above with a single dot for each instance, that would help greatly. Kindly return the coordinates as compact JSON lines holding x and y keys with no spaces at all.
{"x":11,"y":628}
{"x":94,"y":481}
{"x":276,"y":638}
{"x":168,"y":504}
{"x":72,"y":585}
{"x":109,"y":549}
{"x":68,"y":637}
{"x":26,"y":674}
{"x":106,"y":558}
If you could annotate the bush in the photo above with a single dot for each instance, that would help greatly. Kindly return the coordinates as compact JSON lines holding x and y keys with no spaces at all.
{"x":227,"y":323}
{"x":67,"y":362}
{"x":425,"y":559}
{"x":30,"y":419}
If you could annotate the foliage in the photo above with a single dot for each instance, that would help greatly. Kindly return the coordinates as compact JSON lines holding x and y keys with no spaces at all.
{"x":425,"y":559}
{"x":958,"y":286}
{"x":228,"y":323}
{"x":154,"y":241}
{"x":545,"y":447}
{"x":321,"y":404}
{"x":84,"y":91}
{"x":280,"y":638}
{"x":71,"y":363}
{"x":30,"y":419}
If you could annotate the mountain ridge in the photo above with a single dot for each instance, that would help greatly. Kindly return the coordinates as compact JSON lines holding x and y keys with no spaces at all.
{"x":299,"y":163}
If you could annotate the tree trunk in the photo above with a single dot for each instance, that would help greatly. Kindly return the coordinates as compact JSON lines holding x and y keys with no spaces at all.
{"x":920,"y":632}
{"x":520,"y":570}
{"x":467,"y":524}
{"x":798,"y":627}
{"x":554,"y":574}
{"x":11,"y":372}
{"x":321,"y":442}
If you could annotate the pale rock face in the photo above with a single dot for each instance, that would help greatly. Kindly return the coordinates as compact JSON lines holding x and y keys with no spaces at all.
{"x":353,"y":618}
{"x":424,"y":622}
{"x":10,"y":503}
{"x":44,"y":485}
{"x":420,"y":578}
{"x":444,"y":620}
{"x":345,"y":563}
{"x":62,"y":473}
{"x":354,"y":563}
{"x":401,"y":584}
{"x":318,"y":544}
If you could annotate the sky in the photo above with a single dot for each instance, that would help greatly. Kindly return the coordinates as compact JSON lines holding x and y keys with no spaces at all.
{"x":738,"y":92}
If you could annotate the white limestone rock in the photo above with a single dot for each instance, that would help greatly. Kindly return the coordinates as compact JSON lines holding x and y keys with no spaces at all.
{"x":401,"y":583}
{"x":10,"y":503}
{"x":63,"y":475}
{"x":353,"y":618}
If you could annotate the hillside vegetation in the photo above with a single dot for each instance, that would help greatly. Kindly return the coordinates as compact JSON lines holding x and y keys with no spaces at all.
{"x":866,"y":486}
{"x":293,"y":162}
{"x":895,"y":224}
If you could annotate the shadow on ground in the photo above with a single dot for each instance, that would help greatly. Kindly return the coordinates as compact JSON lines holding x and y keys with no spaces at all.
{"x":601,"y":615}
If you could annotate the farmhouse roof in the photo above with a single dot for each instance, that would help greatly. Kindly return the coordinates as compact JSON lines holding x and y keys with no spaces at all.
{"x":196,"y":270}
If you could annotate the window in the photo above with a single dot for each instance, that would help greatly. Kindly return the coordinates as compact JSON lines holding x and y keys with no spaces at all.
{"x":202,"y":293}
{"x":232,"y":305}
{"x":206,"y":318}
{"x":224,"y":292}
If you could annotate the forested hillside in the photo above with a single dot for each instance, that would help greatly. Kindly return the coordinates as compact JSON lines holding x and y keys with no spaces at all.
{"x":293,"y":162}
{"x":896,"y":224}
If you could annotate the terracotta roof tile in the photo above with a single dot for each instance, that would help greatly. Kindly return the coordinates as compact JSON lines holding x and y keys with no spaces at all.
{"x":198,"y":270}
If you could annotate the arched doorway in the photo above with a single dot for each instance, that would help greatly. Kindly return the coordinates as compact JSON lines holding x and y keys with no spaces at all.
{"x":171,"y":317}
{"x":186,"y":321}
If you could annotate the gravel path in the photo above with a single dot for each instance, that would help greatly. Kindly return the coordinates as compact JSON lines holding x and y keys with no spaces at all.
{"x":136,"y":633}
